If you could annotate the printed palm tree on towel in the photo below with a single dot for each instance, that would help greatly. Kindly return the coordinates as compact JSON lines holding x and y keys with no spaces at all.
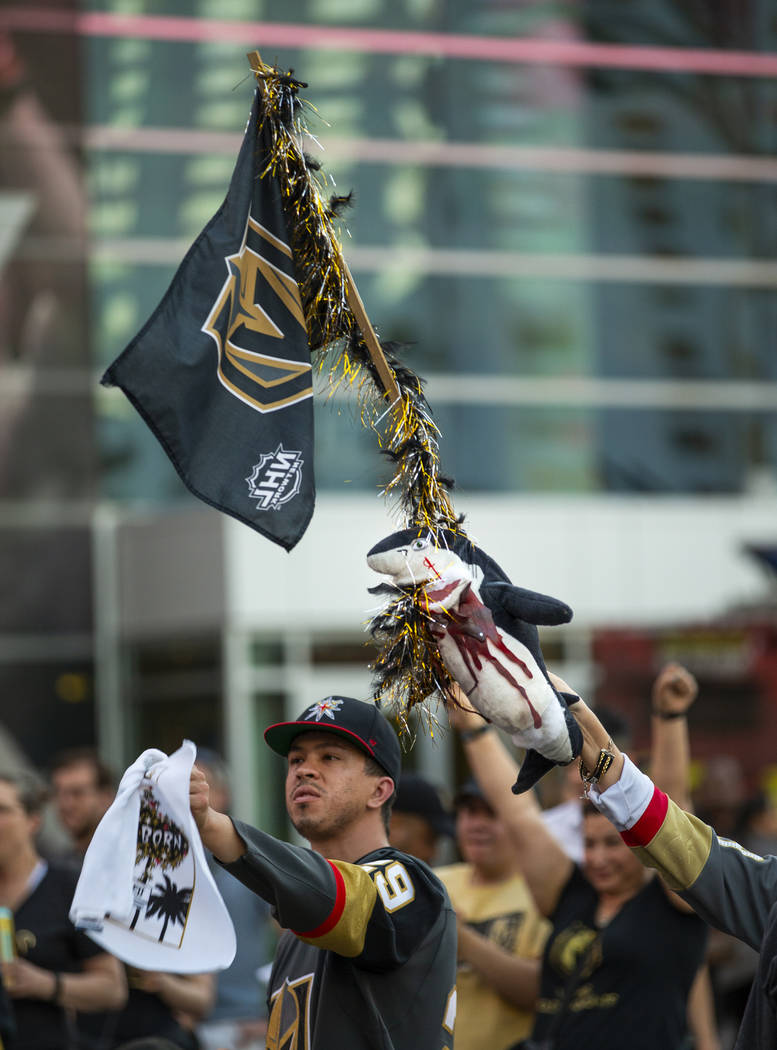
{"x":161,"y":843}
{"x":169,"y":904}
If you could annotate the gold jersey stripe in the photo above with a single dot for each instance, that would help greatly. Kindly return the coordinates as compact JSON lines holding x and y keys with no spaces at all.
{"x":679,"y":849}
{"x":347,"y":935}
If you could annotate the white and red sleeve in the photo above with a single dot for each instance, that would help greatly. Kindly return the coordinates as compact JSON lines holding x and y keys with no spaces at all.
{"x":633,"y":803}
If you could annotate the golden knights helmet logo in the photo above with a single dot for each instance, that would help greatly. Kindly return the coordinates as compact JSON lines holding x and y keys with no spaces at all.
{"x":240,"y":327}
{"x":276,"y":478}
{"x":288,"y":1027}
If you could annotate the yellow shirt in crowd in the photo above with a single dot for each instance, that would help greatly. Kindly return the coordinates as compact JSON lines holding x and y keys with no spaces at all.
{"x":504,"y":912}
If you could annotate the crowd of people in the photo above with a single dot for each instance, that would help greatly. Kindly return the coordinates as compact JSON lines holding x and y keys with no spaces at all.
{"x":548,"y":933}
{"x":60,"y":991}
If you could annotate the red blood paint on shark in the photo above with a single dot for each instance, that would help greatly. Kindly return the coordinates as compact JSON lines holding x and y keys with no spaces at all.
{"x":471,"y":627}
{"x":443,"y":592}
{"x":430,"y":565}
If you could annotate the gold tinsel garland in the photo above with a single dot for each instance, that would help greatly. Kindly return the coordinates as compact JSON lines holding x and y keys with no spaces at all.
{"x":408,"y":669}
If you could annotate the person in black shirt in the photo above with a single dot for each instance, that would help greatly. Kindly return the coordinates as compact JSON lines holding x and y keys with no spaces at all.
{"x":368,"y":959}
{"x":623,"y":950}
{"x":58,"y":970}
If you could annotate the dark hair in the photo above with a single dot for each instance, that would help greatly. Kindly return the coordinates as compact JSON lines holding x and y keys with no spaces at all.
{"x":30,"y":789}
{"x":375,"y":769}
{"x":105,"y":778}
{"x":589,"y":809}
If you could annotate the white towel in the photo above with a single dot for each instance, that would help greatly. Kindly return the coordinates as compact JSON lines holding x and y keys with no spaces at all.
{"x":145,"y":893}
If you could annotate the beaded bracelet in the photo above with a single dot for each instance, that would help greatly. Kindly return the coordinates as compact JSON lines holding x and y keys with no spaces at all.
{"x":603,"y":763}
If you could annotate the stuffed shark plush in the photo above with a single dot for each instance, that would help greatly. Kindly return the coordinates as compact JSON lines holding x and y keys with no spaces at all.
{"x":487,"y":636}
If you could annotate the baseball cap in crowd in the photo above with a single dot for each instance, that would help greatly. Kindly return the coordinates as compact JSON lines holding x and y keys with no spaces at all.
{"x":469,"y":792}
{"x":358,"y":722}
{"x":416,"y":795}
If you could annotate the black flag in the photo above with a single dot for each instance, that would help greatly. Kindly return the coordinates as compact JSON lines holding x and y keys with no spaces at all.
{"x":221,"y":372}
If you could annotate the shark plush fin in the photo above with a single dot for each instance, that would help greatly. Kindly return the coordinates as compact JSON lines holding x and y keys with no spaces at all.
{"x":523,"y":604}
{"x":533,"y":769}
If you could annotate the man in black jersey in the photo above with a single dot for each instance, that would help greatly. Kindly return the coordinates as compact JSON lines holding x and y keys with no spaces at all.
{"x":368,"y":957}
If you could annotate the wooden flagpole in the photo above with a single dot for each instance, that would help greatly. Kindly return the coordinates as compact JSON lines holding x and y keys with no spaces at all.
{"x":385,"y":373}
{"x":383,"y":368}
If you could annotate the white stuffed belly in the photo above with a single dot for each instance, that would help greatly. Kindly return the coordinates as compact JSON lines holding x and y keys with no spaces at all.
{"x":509,"y":689}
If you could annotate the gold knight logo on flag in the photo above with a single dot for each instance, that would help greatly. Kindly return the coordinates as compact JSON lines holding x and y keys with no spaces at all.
{"x":264,"y":382}
{"x":221,"y":372}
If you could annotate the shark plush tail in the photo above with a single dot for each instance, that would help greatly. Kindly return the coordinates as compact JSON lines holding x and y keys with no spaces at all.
{"x":535,"y":765}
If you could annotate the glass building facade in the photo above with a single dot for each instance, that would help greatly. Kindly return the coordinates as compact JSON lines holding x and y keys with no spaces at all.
{"x":492,"y":229}
{"x":568,"y":213}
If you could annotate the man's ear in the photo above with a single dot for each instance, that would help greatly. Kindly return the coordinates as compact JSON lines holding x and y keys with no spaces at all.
{"x":382,"y":792}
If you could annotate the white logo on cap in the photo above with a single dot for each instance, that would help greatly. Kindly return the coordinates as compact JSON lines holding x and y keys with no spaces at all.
{"x":324,"y":707}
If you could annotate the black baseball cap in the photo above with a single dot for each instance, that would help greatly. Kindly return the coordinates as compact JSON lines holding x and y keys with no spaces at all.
{"x":357,"y":721}
{"x":470,"y":791}
{"x":417,"y":795}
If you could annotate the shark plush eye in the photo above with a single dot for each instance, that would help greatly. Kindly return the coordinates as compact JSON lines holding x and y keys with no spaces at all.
{"x":420,"y":543}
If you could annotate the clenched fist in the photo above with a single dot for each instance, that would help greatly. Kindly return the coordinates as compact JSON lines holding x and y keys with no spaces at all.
{"x":674,"y":690}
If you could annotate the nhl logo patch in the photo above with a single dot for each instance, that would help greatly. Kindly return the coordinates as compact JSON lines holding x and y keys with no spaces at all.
{"x":276,"y":478}
{"x":324,"y":707}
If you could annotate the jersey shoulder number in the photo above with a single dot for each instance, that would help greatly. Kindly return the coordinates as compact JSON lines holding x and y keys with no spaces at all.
{"x":392,"y":881}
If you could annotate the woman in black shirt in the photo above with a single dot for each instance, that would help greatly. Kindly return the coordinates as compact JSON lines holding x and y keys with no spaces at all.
{"x":623,"y":950}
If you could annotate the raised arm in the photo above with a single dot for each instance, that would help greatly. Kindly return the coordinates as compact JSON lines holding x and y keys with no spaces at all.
{"x":217,"y":831}
{"x":674,"y":690}
{"x":377,"y":912}
{"x":544,"y":864}
{"x":595,"y":740}
{"x":301,"y":886}
{"x":729,"y":887}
